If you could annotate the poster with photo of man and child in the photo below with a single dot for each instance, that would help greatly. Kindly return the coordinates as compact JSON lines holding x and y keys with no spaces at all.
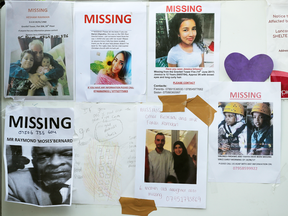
{"x":39,"y":51}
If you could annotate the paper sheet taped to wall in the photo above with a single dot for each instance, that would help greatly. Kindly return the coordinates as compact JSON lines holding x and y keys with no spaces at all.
{"x":105,"y":153}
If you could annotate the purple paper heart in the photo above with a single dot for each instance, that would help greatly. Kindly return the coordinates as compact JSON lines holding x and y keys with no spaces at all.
{"x":257,"y":69}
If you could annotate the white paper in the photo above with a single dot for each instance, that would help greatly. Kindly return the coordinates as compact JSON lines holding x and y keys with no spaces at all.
{"x":244,"y":165}
{"x":50,"y":131}
{"x":187,"y":78}
{"x":52,"y":23}
{"x":191,"y":130}
{"x":277,"y":35}
{"x":105,"y":153}
{"x":114,"y":27}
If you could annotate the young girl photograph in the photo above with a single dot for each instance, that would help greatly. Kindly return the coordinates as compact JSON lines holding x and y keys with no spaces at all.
{"x":183,"y":39}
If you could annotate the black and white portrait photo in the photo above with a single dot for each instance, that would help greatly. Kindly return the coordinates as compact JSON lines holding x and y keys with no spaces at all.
{"x":39,"y":176}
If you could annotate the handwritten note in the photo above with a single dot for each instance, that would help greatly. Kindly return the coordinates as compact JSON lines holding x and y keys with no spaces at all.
{"x":104,"y":152}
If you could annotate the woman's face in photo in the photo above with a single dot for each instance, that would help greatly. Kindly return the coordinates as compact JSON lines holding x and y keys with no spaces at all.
{"x":178,"y":150}
{"x":258,"y":119}
{"x":187,"y":31}
{"x":117,"y":63}
{"x":27,"y":61}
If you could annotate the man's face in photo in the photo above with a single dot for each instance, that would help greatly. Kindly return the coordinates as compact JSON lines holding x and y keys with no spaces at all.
{"x":160,"y":141}
{"x":38,"y":52}
{"x":53,"y":164}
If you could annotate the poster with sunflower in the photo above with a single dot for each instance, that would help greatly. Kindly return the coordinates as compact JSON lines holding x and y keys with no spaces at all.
{"x":110,"y":52}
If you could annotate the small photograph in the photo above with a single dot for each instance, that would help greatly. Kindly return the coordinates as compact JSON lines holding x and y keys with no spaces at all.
{"x":40,"y":176}
{"x":171,"y":156}
{"x":246,"y":128}
{"x":38,"y":68}
{"x":260,"y":127}
{"x":232,"y":129}
{"x":184,"y":40}
{"x":110,"y":67}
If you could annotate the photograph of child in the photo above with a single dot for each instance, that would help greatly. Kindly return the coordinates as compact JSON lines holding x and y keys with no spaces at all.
{"x":232,"y":130}
{"x":21,"y":86}
{"x":44,"y":69}
{"x":247,"y":129}
{"x":262,"y":131}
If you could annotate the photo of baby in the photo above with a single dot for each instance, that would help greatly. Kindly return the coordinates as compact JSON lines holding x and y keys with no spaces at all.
{"x":44,"y":69}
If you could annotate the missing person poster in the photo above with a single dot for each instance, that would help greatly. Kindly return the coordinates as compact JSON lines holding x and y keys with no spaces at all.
{"x":245,"y":136}
{"x":171,"y":158}
{"x":110,"y":52}
{"x":277,"y":46}
{"x":38,"y":50}
{"x":38,"y":155}
{"x":183,"y":49}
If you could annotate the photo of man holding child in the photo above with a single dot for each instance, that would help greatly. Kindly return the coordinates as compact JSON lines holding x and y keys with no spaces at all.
{"x":38,"y":73}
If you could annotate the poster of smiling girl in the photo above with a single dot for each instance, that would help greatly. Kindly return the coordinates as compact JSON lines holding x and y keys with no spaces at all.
{"x":110,"y":52}
{"x":184,"y":49}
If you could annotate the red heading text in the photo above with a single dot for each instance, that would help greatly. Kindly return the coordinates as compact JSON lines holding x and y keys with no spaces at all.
{"x":245,"y":95}
{"x":184,"y":8}
{"x":108,"y":18}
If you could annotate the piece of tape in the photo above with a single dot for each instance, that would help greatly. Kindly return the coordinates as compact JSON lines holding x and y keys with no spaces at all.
{"x":199,"y":107}
{"x":133,"y":206}
{"x":173,"y":103}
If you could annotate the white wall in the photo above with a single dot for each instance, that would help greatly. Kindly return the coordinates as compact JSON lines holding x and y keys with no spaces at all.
{"x":243,"y":29}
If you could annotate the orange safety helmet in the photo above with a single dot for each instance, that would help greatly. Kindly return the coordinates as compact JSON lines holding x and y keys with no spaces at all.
{"x":261,"y":108}
{"x":234,"y":107}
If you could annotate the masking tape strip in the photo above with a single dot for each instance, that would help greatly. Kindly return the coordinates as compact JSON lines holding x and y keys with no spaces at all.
{"x":199,"y":107}
{"x":173,"y":103}
{"x":133,"y":206}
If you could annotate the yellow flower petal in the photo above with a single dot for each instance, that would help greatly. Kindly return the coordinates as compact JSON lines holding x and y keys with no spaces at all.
{"x":107,"y":63}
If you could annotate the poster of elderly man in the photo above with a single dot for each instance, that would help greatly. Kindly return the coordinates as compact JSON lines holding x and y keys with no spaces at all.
{"x":39,"y":175}
{"x":38,"y":155}
{"x":39,"y":51}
